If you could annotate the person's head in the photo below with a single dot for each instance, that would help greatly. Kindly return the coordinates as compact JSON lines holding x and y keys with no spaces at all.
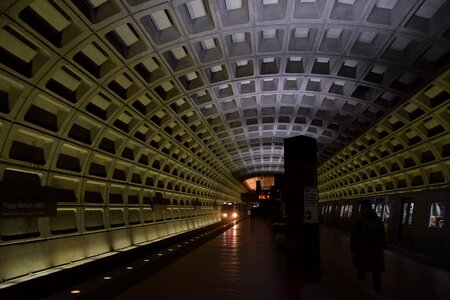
{"x":365,"y":204}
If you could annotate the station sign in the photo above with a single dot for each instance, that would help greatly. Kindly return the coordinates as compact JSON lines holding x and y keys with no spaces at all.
{"x":15,"y":208}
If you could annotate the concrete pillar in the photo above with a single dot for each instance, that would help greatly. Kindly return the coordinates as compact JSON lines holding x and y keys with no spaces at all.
{"x":300,"y":191}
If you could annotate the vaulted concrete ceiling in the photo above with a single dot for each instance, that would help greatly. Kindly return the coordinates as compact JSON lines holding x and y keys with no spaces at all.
{"x":228,"y":78}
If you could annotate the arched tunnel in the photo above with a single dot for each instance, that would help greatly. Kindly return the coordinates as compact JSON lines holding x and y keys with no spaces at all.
{"x":126,"y":122}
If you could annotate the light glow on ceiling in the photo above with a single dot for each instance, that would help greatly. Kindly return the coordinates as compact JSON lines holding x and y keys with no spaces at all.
{"x":266,"y":182}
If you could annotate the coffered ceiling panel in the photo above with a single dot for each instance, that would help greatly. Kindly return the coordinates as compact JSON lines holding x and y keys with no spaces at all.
{"x":228,"y":79}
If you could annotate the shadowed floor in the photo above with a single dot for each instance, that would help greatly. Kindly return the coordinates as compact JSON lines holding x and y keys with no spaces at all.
{"x":405,"y":277}
{"x":246,"y":262}
{"x":242,"y":263}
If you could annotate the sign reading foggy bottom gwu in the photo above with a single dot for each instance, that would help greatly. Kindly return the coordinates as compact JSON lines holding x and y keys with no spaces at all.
{"x":310,"y":205}
{"x":13,"y":208}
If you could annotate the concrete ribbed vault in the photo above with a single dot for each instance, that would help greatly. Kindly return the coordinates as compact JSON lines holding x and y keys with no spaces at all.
{"x":110,"y":106}
{"x":225,"y":81}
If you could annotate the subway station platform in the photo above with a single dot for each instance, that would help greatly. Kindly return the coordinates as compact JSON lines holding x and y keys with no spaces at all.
{"x":244,"y":262}
{"x":247,"y":261}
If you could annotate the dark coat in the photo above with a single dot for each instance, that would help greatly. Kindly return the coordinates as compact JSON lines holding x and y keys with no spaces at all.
{"x":368,"y":255}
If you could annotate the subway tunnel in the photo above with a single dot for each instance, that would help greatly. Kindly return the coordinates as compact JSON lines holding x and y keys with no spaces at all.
{"x":125,"y":123}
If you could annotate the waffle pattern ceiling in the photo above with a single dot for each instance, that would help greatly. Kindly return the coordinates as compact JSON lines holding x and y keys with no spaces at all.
{"x":235,"y":76}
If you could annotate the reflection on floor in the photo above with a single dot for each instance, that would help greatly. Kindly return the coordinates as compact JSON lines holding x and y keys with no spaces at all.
{"x":248,"y":262}
{"x":244,"y":262}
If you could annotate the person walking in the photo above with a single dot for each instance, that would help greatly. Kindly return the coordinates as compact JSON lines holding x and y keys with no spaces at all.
{"x":251,"y":213}
{"x":367,"y":244}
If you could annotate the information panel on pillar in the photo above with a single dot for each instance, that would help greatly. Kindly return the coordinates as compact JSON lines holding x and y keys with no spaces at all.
{"x":310,"y":205}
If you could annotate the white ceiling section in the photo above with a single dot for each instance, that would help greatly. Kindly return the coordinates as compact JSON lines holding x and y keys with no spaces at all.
{"x":237,"y":77}
{"x":161,"y":20}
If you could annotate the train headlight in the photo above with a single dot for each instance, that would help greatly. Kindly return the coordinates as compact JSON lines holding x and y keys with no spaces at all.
{"x":225,"y":215}
{"x":235,"y":215}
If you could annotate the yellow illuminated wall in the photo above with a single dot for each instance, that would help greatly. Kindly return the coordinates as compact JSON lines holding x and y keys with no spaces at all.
{"x":408,"y":150}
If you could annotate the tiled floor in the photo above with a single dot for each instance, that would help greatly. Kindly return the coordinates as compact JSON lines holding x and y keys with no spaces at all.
{"x":242,"y":263}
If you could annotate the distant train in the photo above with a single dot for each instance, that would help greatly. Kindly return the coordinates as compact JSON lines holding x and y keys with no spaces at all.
{"x":232,"y":211}
{"x":417,"y":221}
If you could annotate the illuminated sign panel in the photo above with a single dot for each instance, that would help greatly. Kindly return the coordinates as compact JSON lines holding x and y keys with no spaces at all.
{"x":263,"y":197}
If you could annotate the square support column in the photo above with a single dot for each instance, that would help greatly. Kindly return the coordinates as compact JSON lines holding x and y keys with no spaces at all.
{"x":300,"y":191}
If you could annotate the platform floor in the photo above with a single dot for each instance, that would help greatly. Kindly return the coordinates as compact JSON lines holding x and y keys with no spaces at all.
{"x":405,"y":277}
{"x":246,"y":262}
